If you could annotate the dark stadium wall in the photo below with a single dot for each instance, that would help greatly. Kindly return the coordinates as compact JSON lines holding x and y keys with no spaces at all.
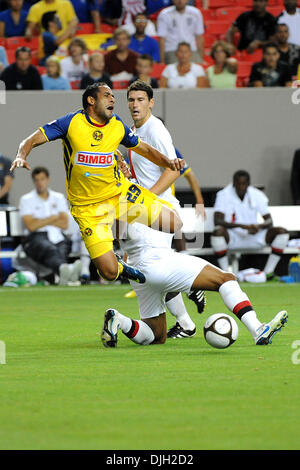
{"x":217,"y":131}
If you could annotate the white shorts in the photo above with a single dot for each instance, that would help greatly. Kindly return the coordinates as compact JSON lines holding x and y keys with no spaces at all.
{"x":241,"y":239}
{"x":166,"y":272}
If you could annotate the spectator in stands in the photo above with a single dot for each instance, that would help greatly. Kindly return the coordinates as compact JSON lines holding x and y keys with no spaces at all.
{"x":131,"y":8}
{"x":3,"y":59}
{"x":144,"y":67}
{"x":110,"y":11}
{"x":236,"y":211}
{"x":291,"y":17}
{"x":270,"y":71}
{"x":295,"y":178}
{"x":223,"y":73}
{"x":120,"y":63}
{"x":6,"y":179}
{"x":180,"y":22}
{"x":87,"y":12}
{"x":51,"y":37}
{"x":256,"y":27}
{"x":45,"y":215}
{"x":13,"y":20}
{"x":289,"y":53}
{"x":63,"y":8}
{"x":184,"y":73}
{"x":74,"y":66}
{"x":140,"y":42}
{"x":21,"y":75}
{"x":53,"y":80}
{"x":96,"y":72}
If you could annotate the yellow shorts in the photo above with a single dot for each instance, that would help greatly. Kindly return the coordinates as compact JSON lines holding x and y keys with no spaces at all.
{"x":133,"y":204}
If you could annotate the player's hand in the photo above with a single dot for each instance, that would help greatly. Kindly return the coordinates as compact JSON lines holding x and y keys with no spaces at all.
{"x":253,"y":229}
{"x":177,"y":164}
{"x":200,"y":210}
{"x":124,"y":168}
{"x":20,"y":163}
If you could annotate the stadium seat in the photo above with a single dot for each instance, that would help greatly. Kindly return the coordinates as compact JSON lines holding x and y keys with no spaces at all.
{"x":75,"y":84}
{"x":217,"y":27}
{"x":42,"y":70}
{"x":220,"y":3}
{"x":275,"y":10}
{"x":246,"y":3}
{"x":256,"y":56}
{"x":157,"y":70}
{"x":11,"y":55}
{"x":229,"y":14}
{"x":35,"y":57}
{"x":107,"y":28}
{"x":85,"y":28}
{"x":20,"y":41}
{"x":120,"y":84}
{"x":243,"y":73}
{"x":208,"y":15}
{"x":3,"y":42}
{"x":209,"y":40}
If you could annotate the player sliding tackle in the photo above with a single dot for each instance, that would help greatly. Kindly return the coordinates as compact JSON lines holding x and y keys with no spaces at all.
{"x":167,"y":271}
{"x":97,"y":191}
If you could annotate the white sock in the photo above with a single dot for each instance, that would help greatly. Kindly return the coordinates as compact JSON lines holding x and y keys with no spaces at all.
{"x":238,"y":302}
{"x":85,"y":265}
{"x":136,"y":330}
{"x":278,"y":245}
{"x":220,"y":246}
{"x":177,"y":308}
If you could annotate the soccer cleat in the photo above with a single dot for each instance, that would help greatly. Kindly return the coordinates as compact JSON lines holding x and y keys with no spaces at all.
{"x":198,"y":296}
{"x":84,"y":279}
{"x":178,"y":332}
{"x":266,"y":332}
{"x":130,"y":295}
{"x":131,"y":273}
{"x":109,"y":335}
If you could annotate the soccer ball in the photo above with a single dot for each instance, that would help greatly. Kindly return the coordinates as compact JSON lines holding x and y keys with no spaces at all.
{"x":220,"y":330}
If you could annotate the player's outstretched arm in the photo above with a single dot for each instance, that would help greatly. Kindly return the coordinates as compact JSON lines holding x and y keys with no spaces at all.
{"x":25,"y":147}
{"x":158,"y":158}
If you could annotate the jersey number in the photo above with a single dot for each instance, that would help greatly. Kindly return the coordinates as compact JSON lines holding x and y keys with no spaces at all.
{"x":133,"y":193}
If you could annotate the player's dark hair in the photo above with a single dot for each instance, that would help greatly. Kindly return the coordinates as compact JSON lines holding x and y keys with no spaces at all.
{"x":92,"y":90}
{"x":241,"y":174}
{"x":139,"y":85}
{"x":39,"y":169}
{"x":22,"y":49}
{"x":269,"y":45}
{"x":46,"y":18}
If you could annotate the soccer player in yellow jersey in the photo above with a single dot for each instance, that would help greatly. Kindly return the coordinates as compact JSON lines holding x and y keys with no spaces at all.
{"x":97,"y":191}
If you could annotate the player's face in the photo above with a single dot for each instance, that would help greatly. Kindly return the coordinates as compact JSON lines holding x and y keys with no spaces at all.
{"x":282,"y":34}
{"x":23,"y":61}
{"x":241,"y":186}
{"x":103,"y":106}
{"x":271,"y":57}
{"x":140,"y":106}
{"x":41,"y":182}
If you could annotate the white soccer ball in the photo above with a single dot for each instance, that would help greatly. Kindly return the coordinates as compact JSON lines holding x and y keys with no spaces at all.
{"x":220,"y":330}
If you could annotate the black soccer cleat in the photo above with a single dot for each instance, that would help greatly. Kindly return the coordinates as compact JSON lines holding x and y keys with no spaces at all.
{"x":198,"y":296}
{"x":178,"y":332}
{"x":131,"y":273}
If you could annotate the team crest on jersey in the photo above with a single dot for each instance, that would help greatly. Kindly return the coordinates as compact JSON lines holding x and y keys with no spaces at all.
{"x":97,"y":135}
{"x":88,"y":232}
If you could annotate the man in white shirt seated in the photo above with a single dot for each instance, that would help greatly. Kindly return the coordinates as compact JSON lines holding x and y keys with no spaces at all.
{"x":291,"y":17}
{"x":45,"y":215}
{"x":235,"y":215}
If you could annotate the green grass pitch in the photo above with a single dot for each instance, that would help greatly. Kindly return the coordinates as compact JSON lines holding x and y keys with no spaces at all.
{"x":60,"y":389}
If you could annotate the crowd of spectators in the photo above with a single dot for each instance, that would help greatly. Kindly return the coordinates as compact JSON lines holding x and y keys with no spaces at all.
{"x":168,"y":44}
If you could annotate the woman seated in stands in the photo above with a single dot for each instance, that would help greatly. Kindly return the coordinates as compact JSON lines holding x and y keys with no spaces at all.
{"x":184,"y":73}
{"x":223,"y":73}
{"x":53,"y":79}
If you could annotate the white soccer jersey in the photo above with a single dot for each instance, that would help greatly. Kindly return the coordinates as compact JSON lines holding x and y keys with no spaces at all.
{"x":147,"y":173}
{"x":241,"y":211}
{"x":39,"y":208}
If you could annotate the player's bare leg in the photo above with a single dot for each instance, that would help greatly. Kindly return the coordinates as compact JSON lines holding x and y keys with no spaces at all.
{"x":277,"y":238}
{"x":109,"y":267}
{"x":219,"y":241}
{"x":144,"y":332}
{"x":214,"y":279}
{"x":168,"y":221}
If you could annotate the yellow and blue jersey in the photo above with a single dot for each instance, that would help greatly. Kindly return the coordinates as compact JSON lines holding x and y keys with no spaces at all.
{"x":92,"y":174}
{"x":184,"y":171}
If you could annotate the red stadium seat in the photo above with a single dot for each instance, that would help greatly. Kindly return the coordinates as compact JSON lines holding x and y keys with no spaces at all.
{"x":256,"y":56}
{"x":209,"y":40}
{"x":157,"y":70}
{"x":246,"y":3}
{"x":275,"y":10}
{"x":229,"y":14}
{"x":35,"y":57}
{"x":244,"y":69}
{"x":75,"y":84}
{"x":85,"y":28}
{"x":3,"y":42}
{"x":217,"y":27}
{"x":42,"y":70}
{"x":11,"y":55}
{"x":107,"y":28}
{"x":221,"y":3}
{"x":120,"y":84}
{"x":19,"y":41}
{"x":208,"y":15}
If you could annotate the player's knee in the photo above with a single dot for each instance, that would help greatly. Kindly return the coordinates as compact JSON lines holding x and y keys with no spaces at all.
{"x":160,"y":338}
{"x":177,"y":223}
{"x":108,"y":273}
{"x":225,"y":277}
{"x":219,"y":232}
{"x":280,"y":230}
